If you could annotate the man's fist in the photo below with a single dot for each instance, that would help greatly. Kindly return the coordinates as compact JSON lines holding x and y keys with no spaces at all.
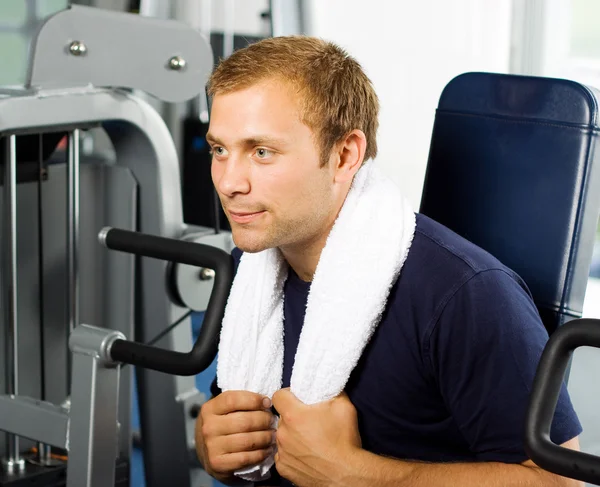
{"x":315,"y":442}
{"x":234,"y":430}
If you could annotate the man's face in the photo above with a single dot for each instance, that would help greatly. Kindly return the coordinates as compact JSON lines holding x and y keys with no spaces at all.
{"x":266,"y":169}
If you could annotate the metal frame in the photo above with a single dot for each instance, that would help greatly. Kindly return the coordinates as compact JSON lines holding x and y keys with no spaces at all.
{"x":84,"y":46}
{"x":288,"y":17}
{"x":92,"y":436}
{"x":89,"y":429}
{"x":143,"y":145}
{"x":13,"y":461}
{"x":31,"y":418}
{"x":74,"y":85}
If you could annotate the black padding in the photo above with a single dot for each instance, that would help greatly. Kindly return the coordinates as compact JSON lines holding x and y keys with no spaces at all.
{"x":513,"y":168}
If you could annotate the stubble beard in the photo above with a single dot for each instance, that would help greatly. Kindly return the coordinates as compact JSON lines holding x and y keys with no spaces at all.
{"x":290,"y":233}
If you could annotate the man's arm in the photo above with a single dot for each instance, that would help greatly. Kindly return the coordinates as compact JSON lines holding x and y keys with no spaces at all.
{"x":320,"y":446}
{"x":367,"y":469}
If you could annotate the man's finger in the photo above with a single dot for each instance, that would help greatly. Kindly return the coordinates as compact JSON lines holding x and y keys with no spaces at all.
{"x":241,"y":442}
{"x":231,"y":462}
{"x":284,"y":400}
{"x":240,"y":422}
{"x":230,"y":401}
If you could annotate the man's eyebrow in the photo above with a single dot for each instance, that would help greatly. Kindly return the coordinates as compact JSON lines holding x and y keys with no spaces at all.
{"x":211,"y":138}
{"x":250,"y":141}
{"x":264,"y":140}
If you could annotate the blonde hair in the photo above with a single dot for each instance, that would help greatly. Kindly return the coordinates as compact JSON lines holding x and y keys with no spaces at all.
{"x":336,"y":96}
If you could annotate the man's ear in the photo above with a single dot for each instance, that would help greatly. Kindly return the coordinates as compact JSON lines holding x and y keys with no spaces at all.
{"x":350,"y":155}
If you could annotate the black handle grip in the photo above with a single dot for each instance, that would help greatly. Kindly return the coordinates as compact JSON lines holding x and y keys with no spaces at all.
{"x":206,"y":346}
{"x":544,"y":397}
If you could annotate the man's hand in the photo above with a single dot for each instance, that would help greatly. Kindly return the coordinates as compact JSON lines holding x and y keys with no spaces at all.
{"x":313,"y":440}
{"x":234,"y":430}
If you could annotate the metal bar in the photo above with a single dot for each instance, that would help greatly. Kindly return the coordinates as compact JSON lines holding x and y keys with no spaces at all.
{"x":44,"y":451}
{"x":94,"y":431}
{"x":44,"y":454}
{"x":200,"y":13}
{"x":72,"y":239}
{"x":205,"y":20}
{"x":228,"y":28}
{"x":13,"y":462}
{"x":73,"y":229}
{"x":287,"y":17}
{"x":34,"y":419}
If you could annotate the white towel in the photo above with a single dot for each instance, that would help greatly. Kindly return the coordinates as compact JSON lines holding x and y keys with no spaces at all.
{"x":361,"y":261}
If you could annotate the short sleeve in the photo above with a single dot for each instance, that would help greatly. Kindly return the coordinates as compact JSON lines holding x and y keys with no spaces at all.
{"x":484,"y":350}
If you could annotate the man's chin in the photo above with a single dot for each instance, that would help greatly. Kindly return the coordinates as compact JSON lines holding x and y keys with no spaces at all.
{"x":250,"y":250}
{"x":249,"y":246}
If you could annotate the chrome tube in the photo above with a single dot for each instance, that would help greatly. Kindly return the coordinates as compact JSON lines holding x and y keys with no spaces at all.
{"x":13,"y":461}
{"x":72,"y":239}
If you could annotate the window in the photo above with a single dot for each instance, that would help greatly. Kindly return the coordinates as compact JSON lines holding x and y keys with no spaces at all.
{"x":579,"y":42}
{"x":19,"y":22}
{"x":559,"y":38}
{"x":582,"y":63}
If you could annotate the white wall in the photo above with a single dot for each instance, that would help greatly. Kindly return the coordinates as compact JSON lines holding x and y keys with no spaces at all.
{"x":410,"y":50}
{"x":241,"y":16}
{"x":246,"y":16}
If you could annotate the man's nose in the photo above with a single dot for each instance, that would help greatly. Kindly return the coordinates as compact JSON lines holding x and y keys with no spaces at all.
{"x":231,"y":177}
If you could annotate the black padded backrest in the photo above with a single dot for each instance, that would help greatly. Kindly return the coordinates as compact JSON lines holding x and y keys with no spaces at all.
{"x":513,"y":167}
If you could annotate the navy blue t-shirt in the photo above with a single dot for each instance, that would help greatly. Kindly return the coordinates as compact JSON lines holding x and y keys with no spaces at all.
{"x":447,"y":375}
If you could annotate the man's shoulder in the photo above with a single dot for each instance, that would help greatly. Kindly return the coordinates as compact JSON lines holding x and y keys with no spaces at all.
{"x":443,"y":247}
{"x":440,"y":262}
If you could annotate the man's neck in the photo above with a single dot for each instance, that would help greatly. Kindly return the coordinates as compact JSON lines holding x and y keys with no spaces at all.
{"x":304,"y":257}
{"x":304,"y":261}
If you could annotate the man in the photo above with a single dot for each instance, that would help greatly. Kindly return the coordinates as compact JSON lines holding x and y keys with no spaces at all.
{"x":440,"y":393}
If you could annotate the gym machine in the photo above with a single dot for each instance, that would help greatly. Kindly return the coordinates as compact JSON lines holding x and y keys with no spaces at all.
{"x":546,"y":387}
{"x":513,"y":167}
{"x":66,"y":409}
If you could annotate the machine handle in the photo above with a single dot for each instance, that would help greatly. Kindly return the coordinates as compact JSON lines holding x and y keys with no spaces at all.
{"x":200,"y":255}
{"x":544,"y":397}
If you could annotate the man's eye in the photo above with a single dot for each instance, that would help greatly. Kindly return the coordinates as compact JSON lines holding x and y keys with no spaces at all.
{"x":219,"y":151}
{"x":263,"y":153}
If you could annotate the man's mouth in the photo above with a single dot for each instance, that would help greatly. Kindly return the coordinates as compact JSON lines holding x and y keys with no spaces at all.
{"x":244,"y":216}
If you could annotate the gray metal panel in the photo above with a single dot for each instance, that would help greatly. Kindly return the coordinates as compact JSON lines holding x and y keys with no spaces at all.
{"x":154,"y":164}
{"x":29,"y":111}
{"x":287,"y":17}
{"x":93,"y":432}
{"x":108,"y":198}
{"x":27,"y":299}
{"x":143,"y":144}
{"x":34,"y":419}
{"x":193,"y":289}
{"x":120,"y":208}
{"x":122,"y":50}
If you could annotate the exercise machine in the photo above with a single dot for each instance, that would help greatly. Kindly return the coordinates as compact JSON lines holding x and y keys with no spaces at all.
{"x":514,"y":167}
{"x":69,"y":303}
{"x":549,"y":378}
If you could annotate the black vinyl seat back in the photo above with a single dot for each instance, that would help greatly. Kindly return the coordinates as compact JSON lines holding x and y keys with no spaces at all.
{"x":513,"y":167}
